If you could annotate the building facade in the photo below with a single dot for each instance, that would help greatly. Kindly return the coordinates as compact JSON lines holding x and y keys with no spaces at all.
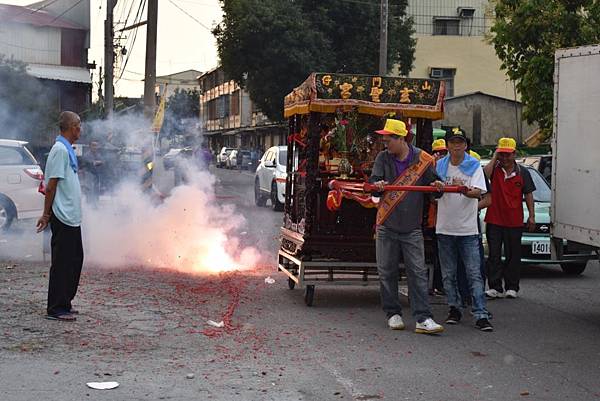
{"x":452,"y":45}
{"x":229,"y":117}
{"x":52,"y":38}
{"x":486,"y":118}
{"x":184,"y":80}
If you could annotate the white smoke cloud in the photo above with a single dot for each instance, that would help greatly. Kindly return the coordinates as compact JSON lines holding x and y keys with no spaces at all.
{"x":188,"y":232}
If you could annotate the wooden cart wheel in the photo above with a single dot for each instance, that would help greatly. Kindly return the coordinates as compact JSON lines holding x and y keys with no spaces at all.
{"x":309,"y":295}
{"x":291,"y":283}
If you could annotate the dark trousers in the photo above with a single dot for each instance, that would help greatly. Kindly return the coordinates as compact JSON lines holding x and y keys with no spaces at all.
{"x":67,"y":260}
{"x":510,"y":270}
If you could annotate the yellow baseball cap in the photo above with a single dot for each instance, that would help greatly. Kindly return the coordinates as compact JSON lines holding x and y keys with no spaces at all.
{"x":438,"y":144}
{"x":475,"y":154}
{"x":393,"y":127}
{"x":506,"y":145}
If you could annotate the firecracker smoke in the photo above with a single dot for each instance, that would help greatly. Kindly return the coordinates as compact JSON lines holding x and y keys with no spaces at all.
{"x":189,"y":231}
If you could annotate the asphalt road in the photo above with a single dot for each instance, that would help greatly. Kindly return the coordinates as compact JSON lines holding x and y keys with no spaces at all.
{"x":146,"y":329}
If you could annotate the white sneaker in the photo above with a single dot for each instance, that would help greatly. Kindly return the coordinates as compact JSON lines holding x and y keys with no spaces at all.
{"x":396,"y":323}
{"x":428,"y":326}
{"x":494,"y":294}
{"x":511,"y":294}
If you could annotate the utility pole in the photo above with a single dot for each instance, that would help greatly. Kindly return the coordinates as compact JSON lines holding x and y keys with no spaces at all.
{"x":109,"y":57}
{"x":150,"y":73}
{"x":100,"y":82}
{"x":383,"y":38}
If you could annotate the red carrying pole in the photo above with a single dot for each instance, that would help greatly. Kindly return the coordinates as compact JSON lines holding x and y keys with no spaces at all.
{"x":368,"y":187}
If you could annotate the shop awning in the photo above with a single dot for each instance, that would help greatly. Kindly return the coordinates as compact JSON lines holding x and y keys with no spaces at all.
{"x":60,"y":73}
{"x":232,"y":132}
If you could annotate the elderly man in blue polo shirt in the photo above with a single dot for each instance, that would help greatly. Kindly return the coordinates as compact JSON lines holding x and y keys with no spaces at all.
{"x":62,"y":211}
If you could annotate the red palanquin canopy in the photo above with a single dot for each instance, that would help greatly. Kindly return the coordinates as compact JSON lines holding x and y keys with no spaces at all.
{"x":371,"y":94}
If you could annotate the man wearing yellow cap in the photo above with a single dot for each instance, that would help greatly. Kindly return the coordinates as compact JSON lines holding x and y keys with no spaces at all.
{"x":504,"y":218}
{"x":439,"y":149}
{"x":399,"y":226}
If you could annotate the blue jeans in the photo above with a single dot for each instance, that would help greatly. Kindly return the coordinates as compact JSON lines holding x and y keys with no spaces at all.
{"x":389,"y":246}
{"x":463,"y":283}
{"x":452,"y":248}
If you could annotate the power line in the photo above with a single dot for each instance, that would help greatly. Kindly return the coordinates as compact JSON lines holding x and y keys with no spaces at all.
{"x":27,"y":9}
{"x":137,"y":19}
{"x":30,"y":48}
{"x":128,"y":12}
{"x":67,"y":10}
{"x":133,"y":72}
{"x":191,"y":16}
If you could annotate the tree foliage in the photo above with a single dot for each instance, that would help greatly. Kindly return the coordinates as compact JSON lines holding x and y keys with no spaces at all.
{"x":27,"y":107}
{"x":183,"y":109}
{"x":270,"y":46}
{"x":527,"y":33}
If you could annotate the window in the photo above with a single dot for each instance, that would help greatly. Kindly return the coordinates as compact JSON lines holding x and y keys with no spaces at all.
{"x":212,"y":109}
{"x":447,"y":75}
{"x":10,"y":156}
{"x":446,"y":26}
{"x":223,"y":106}
{"x":283,"y":157}
{"x":269,"y":157}
{"x":542,"y":191}
{"x":72,"y":48}
{"x":235,"y":103}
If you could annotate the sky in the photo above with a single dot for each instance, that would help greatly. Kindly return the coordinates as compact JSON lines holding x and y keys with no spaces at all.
{"x":183,"y":42}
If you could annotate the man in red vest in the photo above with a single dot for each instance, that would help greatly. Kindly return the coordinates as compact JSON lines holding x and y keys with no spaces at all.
{"x":504,"y":218}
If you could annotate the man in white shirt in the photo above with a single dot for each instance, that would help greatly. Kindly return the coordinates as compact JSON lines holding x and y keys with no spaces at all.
{"x":456,"y":228}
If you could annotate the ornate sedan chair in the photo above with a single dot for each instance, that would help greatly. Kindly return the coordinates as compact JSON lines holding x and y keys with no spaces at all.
{"x":328,"y":230}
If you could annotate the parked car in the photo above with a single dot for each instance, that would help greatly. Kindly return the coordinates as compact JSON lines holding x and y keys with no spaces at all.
{"x":21,"y":180}
{"x":244,"y":159}
{"x":542,"y":163}
{"x":535,"y":246}
{"x":223,"y":156}
{"x":269,"y":179}
{"x":231,"y":161}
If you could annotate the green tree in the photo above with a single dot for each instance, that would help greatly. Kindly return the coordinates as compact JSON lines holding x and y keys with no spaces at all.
{"x":528,"y":32}
{"x":270,"y":46}
{"x":183,"y":107}
{"x":27,"y":107}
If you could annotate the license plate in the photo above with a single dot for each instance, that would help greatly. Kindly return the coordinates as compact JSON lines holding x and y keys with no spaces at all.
{"x":540,"y":248}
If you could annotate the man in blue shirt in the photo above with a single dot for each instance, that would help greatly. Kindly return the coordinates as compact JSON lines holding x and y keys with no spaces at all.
{"x":62,"y":211}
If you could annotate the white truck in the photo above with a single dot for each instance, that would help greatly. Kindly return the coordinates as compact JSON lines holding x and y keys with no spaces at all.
{"x":576,"y":150}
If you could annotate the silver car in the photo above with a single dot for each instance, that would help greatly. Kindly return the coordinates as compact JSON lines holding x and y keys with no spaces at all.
{"x":21,"y":180}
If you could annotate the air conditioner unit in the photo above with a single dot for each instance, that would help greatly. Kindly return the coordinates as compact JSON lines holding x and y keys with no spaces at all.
{"x":436,"y":73}
{"x":466,"y":12}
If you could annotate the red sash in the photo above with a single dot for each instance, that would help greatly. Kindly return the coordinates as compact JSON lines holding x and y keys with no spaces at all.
{"x":410,"y":176}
